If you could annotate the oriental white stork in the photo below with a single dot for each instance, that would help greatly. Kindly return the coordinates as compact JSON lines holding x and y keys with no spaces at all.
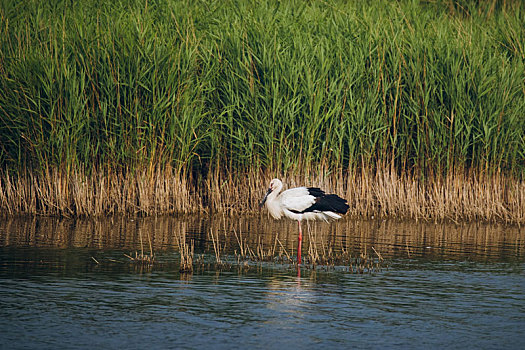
{"x":302,"y":203}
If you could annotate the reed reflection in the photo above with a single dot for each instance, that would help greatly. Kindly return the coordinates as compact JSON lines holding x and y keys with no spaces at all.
{"x":264,"y":240}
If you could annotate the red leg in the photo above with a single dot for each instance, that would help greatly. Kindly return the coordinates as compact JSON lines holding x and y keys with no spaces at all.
{"x":299,"y":245}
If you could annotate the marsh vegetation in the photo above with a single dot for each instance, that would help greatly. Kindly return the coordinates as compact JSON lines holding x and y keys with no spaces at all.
{"x":406,"y":108}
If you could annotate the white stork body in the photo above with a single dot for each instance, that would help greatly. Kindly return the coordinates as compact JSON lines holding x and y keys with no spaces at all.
{"x":303,"y":203}
{"x":292,"y":203}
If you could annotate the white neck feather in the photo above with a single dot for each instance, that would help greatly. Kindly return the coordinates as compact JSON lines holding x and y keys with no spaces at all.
{"x":272,"y":202}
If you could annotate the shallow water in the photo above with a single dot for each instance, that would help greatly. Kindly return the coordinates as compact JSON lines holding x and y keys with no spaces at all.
{"x":67,"y":284}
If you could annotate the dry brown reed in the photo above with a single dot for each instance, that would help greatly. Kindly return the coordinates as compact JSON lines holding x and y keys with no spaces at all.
{"x":322,"y":252}
{"x":216,"y":246}
{"x":461,"y":196}
{"x":143,"y":259}
{"x":186,"y":252}
{"x":365,"y":263}
{"x":282,"y":250}
{"x":100,"y":193}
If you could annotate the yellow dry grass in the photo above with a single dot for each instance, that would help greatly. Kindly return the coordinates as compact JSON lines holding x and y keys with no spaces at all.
{"x":457,"y":197}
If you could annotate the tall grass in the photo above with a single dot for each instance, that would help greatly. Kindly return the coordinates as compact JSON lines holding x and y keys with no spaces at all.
{"x":119,"y":98}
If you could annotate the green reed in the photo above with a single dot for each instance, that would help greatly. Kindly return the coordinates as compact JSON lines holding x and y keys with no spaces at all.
{"x":427,"y":88}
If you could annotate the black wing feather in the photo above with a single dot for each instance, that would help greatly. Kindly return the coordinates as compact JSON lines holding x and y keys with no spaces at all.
{"x":326,"y":202}
{"x":315,"y":191}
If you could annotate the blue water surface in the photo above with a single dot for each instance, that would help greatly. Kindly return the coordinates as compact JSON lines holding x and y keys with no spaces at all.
{"x":60,"y":288}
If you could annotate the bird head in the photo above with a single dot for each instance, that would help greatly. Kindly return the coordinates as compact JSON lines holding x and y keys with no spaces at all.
{"x":275,"y":184}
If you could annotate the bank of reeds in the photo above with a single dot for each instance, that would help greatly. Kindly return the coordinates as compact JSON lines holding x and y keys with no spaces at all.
{"x":457,"y":197}
{"x":408,"y":109}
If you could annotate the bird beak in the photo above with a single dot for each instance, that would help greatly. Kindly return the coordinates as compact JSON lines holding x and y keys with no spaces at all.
{"x":264,"y":199}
